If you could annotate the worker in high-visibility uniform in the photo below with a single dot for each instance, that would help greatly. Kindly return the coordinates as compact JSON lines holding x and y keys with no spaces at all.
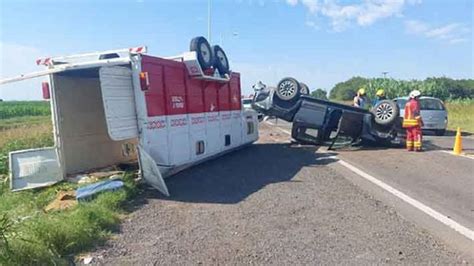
{"x":412,"y":122}
{"x":359,"y":99}
{"x":379,"y":96}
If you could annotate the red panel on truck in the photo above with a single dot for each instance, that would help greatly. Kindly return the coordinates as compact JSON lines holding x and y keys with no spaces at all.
{"x":210,"y":96}
{"x":194,"y":93}
{"x":175,"y":87}
{"x":155,"y":95}
{"x":224,"y":97}
{"x":235,"y":95}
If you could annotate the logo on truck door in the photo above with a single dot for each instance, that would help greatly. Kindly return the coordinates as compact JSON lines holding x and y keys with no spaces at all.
{"x":177,"y":102}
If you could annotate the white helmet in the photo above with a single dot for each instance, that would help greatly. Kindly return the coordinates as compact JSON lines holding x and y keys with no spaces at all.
{"x":415,"y":93}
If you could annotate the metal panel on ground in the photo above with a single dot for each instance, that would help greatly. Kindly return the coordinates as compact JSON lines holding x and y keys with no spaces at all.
{"x":34,"y":168}
{"x":150,"y":171}
{"x":119,"y":102}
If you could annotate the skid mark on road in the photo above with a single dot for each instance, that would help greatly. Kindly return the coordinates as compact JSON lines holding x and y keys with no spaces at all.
{"x":413,"y":202}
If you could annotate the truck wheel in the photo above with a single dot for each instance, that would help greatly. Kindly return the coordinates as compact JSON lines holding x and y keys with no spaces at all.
{"x":288,"y":89}
{"x":220,"y":62}
{"x":385,"y":112}
{"x":304,"y":89}
{"x":203,"y":51}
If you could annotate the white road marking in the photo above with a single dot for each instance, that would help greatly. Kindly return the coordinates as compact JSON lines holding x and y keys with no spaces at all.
{"x":422,"y":207}
{"x":413,"y":202}
{"x":462,"y":155}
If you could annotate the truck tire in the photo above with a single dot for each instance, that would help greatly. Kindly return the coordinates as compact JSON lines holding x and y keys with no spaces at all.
{"x":304,"y":89}
{"x":385,"y":112}
{"x":220,"y":60}
{"x":288,"y":89}
{"x":203,"y":50}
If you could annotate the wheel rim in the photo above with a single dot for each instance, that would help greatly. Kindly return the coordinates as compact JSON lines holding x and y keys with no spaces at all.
{"x":205,"y":52}
{"x":384,"y":112}
{"x":222,"y":58}
{"x":287,"y":89}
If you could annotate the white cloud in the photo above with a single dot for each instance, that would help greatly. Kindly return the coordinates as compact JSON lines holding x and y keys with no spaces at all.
{"x":453,"y":32}
{"x":365,"y":13}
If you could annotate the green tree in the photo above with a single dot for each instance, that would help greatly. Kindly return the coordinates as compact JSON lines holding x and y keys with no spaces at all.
{"x":320,"y":94}
{"x":347,"y":90}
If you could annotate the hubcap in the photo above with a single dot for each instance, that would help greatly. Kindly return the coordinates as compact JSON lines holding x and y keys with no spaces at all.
{"x":205,"y":53}
{"x":222,"y":59}
{"x":384,"y":111}
{"x":287,"y":88}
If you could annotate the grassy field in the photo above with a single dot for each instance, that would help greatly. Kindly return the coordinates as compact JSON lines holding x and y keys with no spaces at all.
{"x":461,"y":114}
{"x":28,"y":234}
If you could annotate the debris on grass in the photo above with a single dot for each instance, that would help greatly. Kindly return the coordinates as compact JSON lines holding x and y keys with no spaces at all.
{"x":90,"y":191}
{"x":64,"y":200}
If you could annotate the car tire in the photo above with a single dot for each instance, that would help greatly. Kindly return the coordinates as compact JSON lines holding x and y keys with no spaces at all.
{"x":304,"y":89}
{"x":288,"y":89}
{"x":440,"y":132}
{"x":203,"y":50}
{"x":220,"y":60}
{"x":385,"y":112}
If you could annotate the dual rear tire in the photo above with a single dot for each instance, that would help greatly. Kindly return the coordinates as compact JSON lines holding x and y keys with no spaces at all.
{"x":208,"y":56}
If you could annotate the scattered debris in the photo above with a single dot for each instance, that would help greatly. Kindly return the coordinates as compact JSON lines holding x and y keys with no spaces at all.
{"x":64,"y":200}
{"x":89,"y":191}
{"x":87,"y":260}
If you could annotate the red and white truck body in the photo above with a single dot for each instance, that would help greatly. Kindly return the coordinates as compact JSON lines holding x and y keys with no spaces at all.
{"x":164,"y":112}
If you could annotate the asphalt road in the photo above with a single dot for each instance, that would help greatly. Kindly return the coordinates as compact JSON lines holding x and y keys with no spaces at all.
{"x":435,"y":177}
{"x":270,"y":203}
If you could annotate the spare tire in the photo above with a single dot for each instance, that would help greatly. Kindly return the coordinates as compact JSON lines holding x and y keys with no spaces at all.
{"x":385,"y":112}
{"x":203,"y":51}
{"x":304,"y":89}
{"x":288,"y":89}
{"x":220,"y":60}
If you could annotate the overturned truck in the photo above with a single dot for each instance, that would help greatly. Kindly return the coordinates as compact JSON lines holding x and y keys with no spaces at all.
{"x":122,"y":105}
{"x":318,"y":122}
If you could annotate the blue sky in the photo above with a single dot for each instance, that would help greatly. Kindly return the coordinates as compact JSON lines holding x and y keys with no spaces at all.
{"x":320,"y":42}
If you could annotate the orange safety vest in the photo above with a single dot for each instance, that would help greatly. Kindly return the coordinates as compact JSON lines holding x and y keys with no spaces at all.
{"x":412,"y":116}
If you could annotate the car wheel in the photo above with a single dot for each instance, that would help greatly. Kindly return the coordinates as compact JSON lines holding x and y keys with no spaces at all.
{"x":220,"y":60}
{"x":440,"y":132}
{"x":385,"y":112}
{"x":304,"y":89}
{"x":203,"y":50}
{"x":288,"y":89}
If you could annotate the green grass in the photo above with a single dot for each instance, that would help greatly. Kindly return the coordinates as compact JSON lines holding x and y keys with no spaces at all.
{"x":23,"y":120}
{"x":26,"y":141}
{"x":24,"y":108}
{"x":29,"y":236}
{"x":461,"y":114}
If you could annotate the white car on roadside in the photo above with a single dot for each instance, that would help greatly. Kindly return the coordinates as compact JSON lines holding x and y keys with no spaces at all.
{"x":433,"y":113}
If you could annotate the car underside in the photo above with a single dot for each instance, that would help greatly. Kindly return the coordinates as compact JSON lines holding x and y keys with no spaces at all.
{"x":316,"y":121}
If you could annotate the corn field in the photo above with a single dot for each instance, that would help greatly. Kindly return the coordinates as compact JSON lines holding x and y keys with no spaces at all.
{"x":23,"y":108}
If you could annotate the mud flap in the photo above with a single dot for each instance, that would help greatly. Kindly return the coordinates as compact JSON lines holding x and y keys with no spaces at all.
{"x":150,"y":171}
{"x":34,"y":168}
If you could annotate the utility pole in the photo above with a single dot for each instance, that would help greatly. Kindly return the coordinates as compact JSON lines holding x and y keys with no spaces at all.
{"x":209,"y":20}
{"x":384,"y":74}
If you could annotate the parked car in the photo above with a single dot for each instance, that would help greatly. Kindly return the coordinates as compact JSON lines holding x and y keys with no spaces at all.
{"x":433,"y":113}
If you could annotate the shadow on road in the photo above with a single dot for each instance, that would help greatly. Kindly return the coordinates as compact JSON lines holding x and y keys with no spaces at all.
{"x":231,"y":178}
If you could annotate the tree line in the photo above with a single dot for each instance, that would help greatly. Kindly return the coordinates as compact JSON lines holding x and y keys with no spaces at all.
{"x":441,"y":87}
